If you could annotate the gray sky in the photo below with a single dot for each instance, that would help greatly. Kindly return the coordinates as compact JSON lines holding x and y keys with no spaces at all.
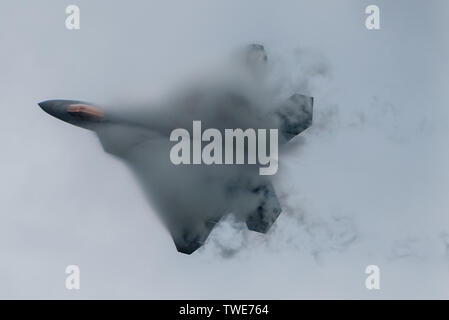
{"x":367,"y":184}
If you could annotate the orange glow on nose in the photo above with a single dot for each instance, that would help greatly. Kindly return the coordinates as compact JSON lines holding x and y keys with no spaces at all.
{"x":84,"y":110}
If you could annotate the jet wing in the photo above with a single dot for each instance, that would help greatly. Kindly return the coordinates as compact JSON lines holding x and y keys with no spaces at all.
{"x":190,"y":200}
{"x":190,"y":233}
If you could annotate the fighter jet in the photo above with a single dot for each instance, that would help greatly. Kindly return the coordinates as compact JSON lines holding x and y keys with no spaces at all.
{"x":191,"y":199}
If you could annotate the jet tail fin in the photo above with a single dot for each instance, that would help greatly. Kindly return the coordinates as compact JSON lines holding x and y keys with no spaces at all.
{"x":295,"y":115}
{"x":267,"y":211}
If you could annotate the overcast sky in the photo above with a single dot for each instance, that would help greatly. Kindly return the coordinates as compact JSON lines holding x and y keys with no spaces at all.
{"x":367,"y":184}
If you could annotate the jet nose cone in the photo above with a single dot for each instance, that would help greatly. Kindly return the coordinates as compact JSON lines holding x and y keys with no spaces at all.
{"x":47,"y":106}
{"x":55,"y":108}
{"x":72,"y":111}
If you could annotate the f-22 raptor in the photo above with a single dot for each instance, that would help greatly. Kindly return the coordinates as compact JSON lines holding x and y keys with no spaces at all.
{"x":190,"y":200}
